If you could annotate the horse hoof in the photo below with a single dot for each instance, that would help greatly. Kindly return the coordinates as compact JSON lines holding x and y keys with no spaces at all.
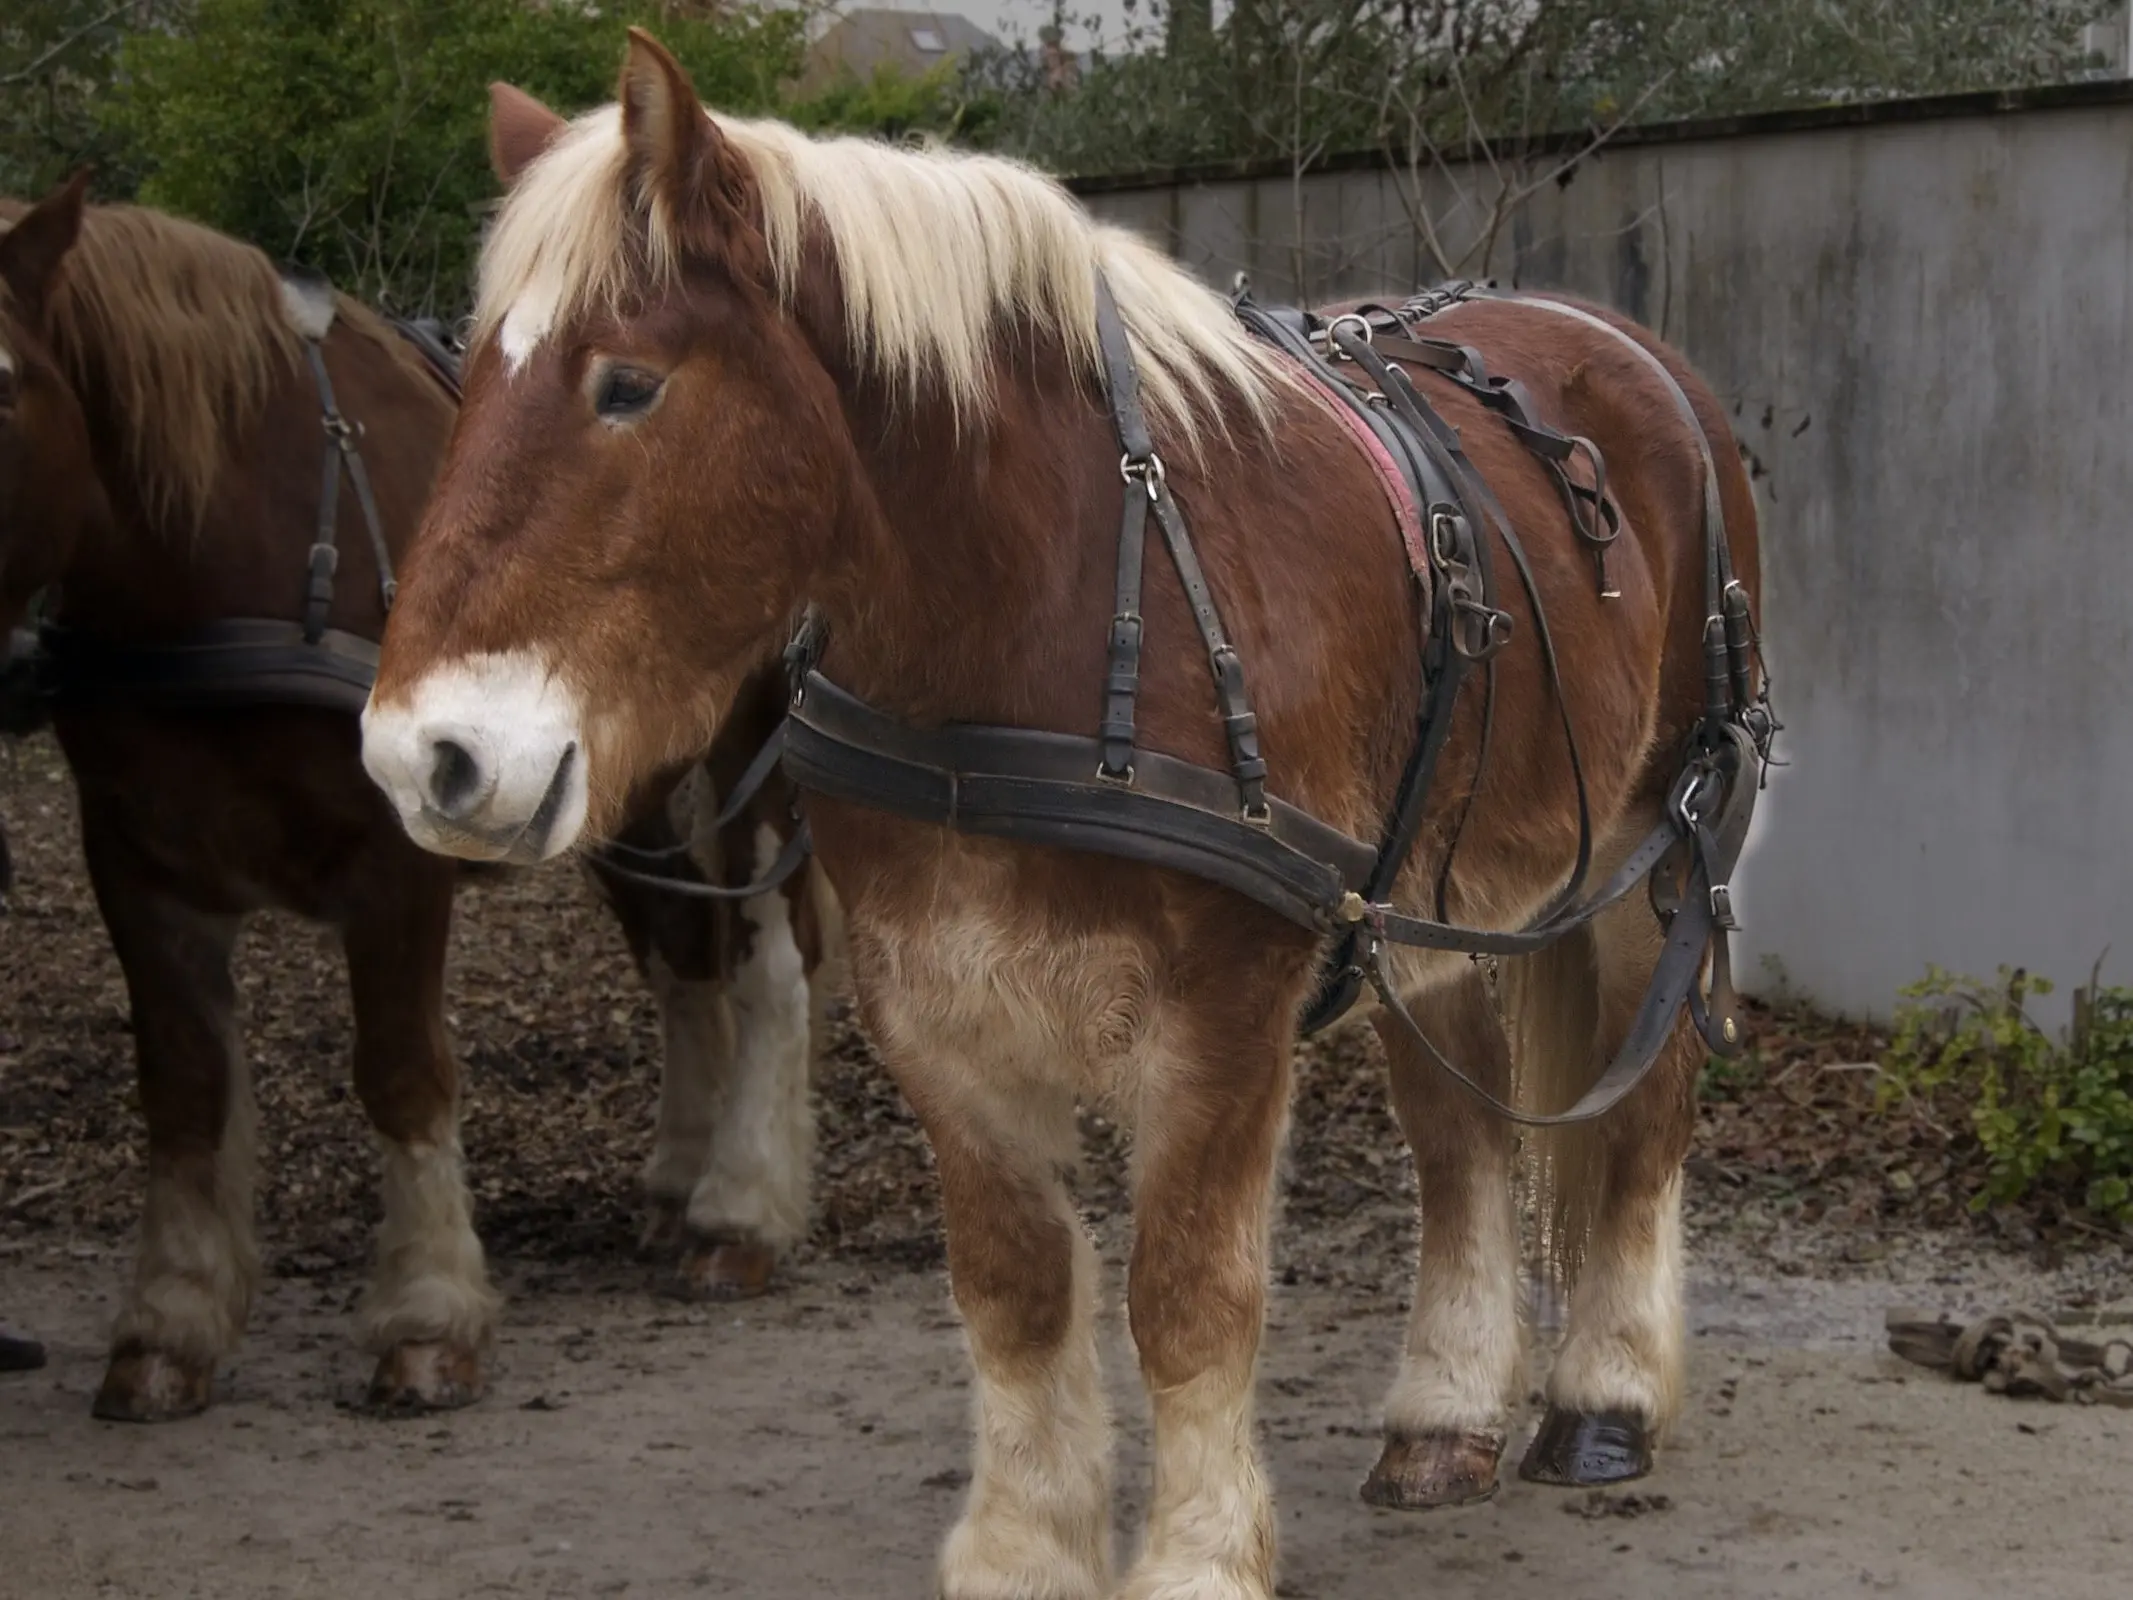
{"x":1422,"y":1471}
{"x":19,"y":1352}
{"x":664,"y":1229}
{"x":415,"y":1376}
{"x":1579,"y":1449}
{"x":152,"y":1386}
{"x":713,"y":1269}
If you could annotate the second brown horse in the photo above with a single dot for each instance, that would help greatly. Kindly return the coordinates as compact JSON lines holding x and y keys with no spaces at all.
{"x":160,"y":449}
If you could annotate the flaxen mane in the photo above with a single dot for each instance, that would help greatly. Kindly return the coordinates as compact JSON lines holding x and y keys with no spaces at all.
{"x":938,"y":254}
{"x":178,"y":335}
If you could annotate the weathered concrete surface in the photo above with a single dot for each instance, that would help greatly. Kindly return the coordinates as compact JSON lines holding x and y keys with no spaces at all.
{"x":815,"y":1444}
{"x":1923,"y":329}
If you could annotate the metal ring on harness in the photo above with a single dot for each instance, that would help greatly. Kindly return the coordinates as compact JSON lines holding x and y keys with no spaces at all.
{"x":1145,"y":470}
{"x":1347,"y":319}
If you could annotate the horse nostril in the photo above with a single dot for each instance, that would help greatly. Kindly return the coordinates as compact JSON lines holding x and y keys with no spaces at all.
{"x":455,"y":779}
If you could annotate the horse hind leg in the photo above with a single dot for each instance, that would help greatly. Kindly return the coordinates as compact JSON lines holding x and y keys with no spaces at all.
{"x":196,"y":1265}
{"x":1614,"y":1214}
{"x":728,"y":1177}
{"x":1445,"y":1417}
{"x":430,"y":1313}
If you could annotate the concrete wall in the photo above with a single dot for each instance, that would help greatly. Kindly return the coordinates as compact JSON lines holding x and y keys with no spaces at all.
{"x":1924,"y":328}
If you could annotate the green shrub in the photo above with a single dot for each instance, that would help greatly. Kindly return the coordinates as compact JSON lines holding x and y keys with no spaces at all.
{"x":2053,"y":1114}
{"x":351,"y":135}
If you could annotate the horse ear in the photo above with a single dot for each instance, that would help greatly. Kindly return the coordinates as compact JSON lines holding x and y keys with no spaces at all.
{"x":31,"y":251}
{"x":672,"y":141}
{"x":520,"y":128}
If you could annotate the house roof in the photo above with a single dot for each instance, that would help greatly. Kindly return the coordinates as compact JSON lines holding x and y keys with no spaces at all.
{"x":867,"y":38}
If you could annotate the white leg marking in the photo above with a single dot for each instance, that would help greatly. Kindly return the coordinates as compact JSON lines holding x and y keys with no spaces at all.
{"x":431,"y":1281}
{"x":197,"y":1265}
{"x":1624,"y":1348}
{"x":1459,"y":1371}
{"x":755,"y":1180}
{"x":1211,"y":1527}
{"x":1040,"y":1497}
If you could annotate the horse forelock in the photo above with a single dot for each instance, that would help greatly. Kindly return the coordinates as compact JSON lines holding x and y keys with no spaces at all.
{"x":938,"y":256}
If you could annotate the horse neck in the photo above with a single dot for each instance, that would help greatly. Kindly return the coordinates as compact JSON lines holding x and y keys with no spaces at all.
{"x":983,"y":551}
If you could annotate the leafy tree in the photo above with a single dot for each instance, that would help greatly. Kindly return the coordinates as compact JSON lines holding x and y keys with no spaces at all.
{"x":944,"y":103}
{"x":55,"y":56}
{"x":350,"y":134}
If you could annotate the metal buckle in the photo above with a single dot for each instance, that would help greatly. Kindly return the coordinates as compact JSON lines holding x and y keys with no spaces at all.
{"x":1146,"y":470}
{"x":1722,"y":911}
{"x":1444,"y":526}
{"x":1123,"y":780}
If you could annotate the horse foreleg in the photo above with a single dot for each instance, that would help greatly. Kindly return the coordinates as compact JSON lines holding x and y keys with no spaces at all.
{"x":1445,"y":1416}
{"x":1212,"y":1116}
{"x":1037,"y":1523}
{"x":430,"y":1312}
{"x":196,"y":1266}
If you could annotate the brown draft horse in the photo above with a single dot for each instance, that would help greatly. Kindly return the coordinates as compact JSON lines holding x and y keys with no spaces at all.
{"x":160,"y":447}
{"x":722,"y":372}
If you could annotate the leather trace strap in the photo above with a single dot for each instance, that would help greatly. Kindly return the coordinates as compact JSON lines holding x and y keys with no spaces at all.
{"x":610,"y":855}
{"x":753,"y":777}
{"x":799,"y":844}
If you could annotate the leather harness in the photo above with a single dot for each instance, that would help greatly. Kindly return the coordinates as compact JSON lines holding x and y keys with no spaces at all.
{"x":1109,"y":796}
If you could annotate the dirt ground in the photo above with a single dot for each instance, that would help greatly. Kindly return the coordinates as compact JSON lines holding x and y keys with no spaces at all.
{"x":816,"y":1442}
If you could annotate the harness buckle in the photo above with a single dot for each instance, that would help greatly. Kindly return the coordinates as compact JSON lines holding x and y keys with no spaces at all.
{"x":1146,"y":470}
{"x":1722,"y":908}
{"x":1448,"y":534}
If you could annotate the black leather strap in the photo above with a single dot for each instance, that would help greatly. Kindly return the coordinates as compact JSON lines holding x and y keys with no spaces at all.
{"x":798,"y":846}
{"x":1143,"y":468}
{"x":236,"y":662}
{"x":753,"y":777}
{"x":341,"y":456}
{"x":1042,"y":788}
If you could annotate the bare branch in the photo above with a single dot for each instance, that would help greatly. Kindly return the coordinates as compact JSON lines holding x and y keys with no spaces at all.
{"x":54,"y":52}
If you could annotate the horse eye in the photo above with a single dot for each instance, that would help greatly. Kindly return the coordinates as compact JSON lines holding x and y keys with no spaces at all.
{"x":627,"y":392}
